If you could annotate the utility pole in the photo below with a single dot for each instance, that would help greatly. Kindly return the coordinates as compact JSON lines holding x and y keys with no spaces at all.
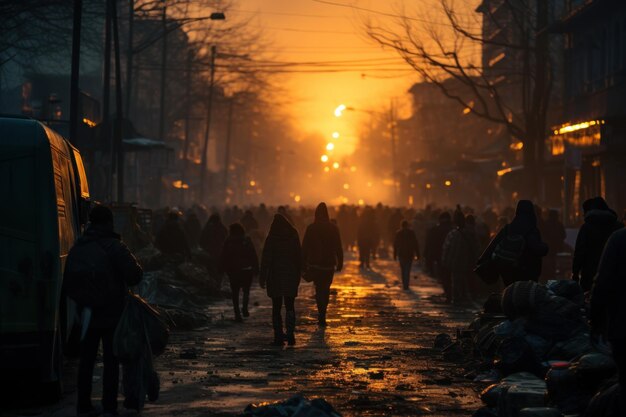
{"x":208,"y":127}
{"x":163,"y":73}
{"x":106,"y":91}
{"x":129,"y":56}
{"x":75,"y":77}
{"x":119,"y":151}
{"x":227,"y":153}
{"x":187,"y":127}
{"x":392,"y":136}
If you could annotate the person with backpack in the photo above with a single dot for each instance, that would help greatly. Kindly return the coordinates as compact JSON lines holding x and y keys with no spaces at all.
{"x":281,"y":266}
{"x":406,"y":249}
{"x":516,"y":252}
{"x":322,"y":255}
{"x":240,"y":263}
{"x":98,"y":271}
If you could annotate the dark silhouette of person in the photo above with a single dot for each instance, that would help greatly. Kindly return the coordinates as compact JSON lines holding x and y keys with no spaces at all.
{"x":280,"y":272}
{"x":248,"y":221}
{"x":459,"y":254}
{"x":171,"y":239}
{"x":524,"y":224}
{"x":213,"y":236}
{"x":405,"y":250}
{"x":600,"y":223}
{"x":554,"y":234}
{"x":433,"y":251}
{"x":393,"y":222}
{"x":608,"y":299}
{"x":367,"y":236}
{"x":240,"y":263}
{"x":193,"y":228}
{"x":322,"y":255}
{"x":102,"y":245}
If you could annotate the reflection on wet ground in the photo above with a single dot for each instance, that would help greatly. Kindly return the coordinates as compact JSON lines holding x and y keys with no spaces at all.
{"x":375,"y":358}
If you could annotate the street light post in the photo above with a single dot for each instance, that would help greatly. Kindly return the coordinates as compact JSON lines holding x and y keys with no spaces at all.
{"x":208,"y":126}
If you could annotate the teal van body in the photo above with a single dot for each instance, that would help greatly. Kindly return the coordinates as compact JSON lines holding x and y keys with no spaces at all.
{"x":44,"y":195}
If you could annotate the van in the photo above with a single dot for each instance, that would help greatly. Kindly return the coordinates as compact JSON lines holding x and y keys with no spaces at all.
{"x":45,"y":200}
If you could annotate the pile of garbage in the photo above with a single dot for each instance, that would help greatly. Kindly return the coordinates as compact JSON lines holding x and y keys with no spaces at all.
{"x":179,"y":288}
{"x":296,"y":406}
{"x":533,"y":345}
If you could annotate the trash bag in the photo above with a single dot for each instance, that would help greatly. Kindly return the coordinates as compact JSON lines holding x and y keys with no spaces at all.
{"x":569,"y":289}
{"x":296,"y":406}
{"x":593,"y":369}
{"x":515,"y":355}
{"x":606,"y":403}
{"x":139,"y":319}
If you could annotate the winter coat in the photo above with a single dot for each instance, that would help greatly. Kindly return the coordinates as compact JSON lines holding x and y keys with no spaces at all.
{"x":321,"y":245}
{"x":281,"y":259}
{"x":435,"y":237}
{"x":460,"y":250}
{"x":239,"y":257}
{"x":126,"y":272}
{"x":524,"y":224}
{"x":593,"y":234}
{"x":608,"y":296}
{"x":213,"y":236}
{"x":171,"y":239}
{"x":405,"y":246}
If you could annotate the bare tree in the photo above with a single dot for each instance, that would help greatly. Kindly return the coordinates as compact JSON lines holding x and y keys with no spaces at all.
{"x":511,"y":87}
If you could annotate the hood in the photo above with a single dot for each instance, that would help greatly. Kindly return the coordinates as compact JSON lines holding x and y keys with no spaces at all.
{"x":321,"y":213}
{"x":601,"y":218}
{"x":98,"y":231}
{"x":595,"y":203}
{"x":281,"y":227}
{"x":525,"y":212}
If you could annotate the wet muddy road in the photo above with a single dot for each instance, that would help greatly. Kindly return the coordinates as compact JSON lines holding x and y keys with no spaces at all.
{"x":375,"y":357}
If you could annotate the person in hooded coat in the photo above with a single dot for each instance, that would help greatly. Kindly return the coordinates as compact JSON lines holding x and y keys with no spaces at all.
{"x":101,"y":240}
{"x":171,"y":239}
{"x":281,"y":263}
{"x":600,"y":223}
{"x":523,"y":224}
{"x":240,"y":263}
{"x":405,"y":249}
{"x":459,"y":253}
{"x":322,"y":255}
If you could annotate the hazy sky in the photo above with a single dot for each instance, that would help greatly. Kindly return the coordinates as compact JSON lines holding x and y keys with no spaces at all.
{"x":310,"y":31}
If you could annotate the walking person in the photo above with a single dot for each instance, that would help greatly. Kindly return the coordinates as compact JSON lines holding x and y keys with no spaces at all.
{"x":240,"y":263}
{"x":212,"y":240}
{"x":367,"y":236}
{"x":280,"y":272}
{"x":98,"y":271}
{"x":405,"y":249}
{"x":322,"y":255}
{"x":433,"y":250}
{"x":600,"y":223}
{"x":459,"y":253}
{"x":517,"y":250}
{"x":171,"y":239}
{"x":608,"y":300}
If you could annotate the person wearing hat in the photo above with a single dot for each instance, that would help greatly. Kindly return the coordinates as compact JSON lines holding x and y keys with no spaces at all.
{"x":100,"y":246}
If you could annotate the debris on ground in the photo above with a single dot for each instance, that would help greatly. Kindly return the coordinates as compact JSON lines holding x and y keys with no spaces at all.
{"x":296,"y":406}
{"x":535,"y":350}
{"x":178,"y":288}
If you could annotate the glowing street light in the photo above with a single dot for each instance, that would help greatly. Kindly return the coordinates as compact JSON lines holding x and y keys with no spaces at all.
{"x":336,"y":165}
{"x":324,"y":158}
{"x":335,"y":135}
{"x":326,"y":169}
{"x":330,"y":146}
{"x":448,"y":183}
{"x":346,"y":186}
{"x":339,"y":110}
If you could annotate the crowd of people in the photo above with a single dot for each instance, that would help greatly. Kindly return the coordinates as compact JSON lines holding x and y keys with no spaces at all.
{"x":470,"y":253}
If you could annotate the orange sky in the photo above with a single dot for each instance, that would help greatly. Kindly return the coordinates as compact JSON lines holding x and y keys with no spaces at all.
{"x":305,"y":30}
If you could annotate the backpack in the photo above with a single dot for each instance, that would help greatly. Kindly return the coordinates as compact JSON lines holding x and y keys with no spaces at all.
{"x":509,"y":251}
{"x":88,"y":278}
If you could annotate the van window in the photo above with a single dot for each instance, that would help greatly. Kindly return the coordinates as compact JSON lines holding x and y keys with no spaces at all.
{"x":19,"y":197}
{"x":84,"y":186}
